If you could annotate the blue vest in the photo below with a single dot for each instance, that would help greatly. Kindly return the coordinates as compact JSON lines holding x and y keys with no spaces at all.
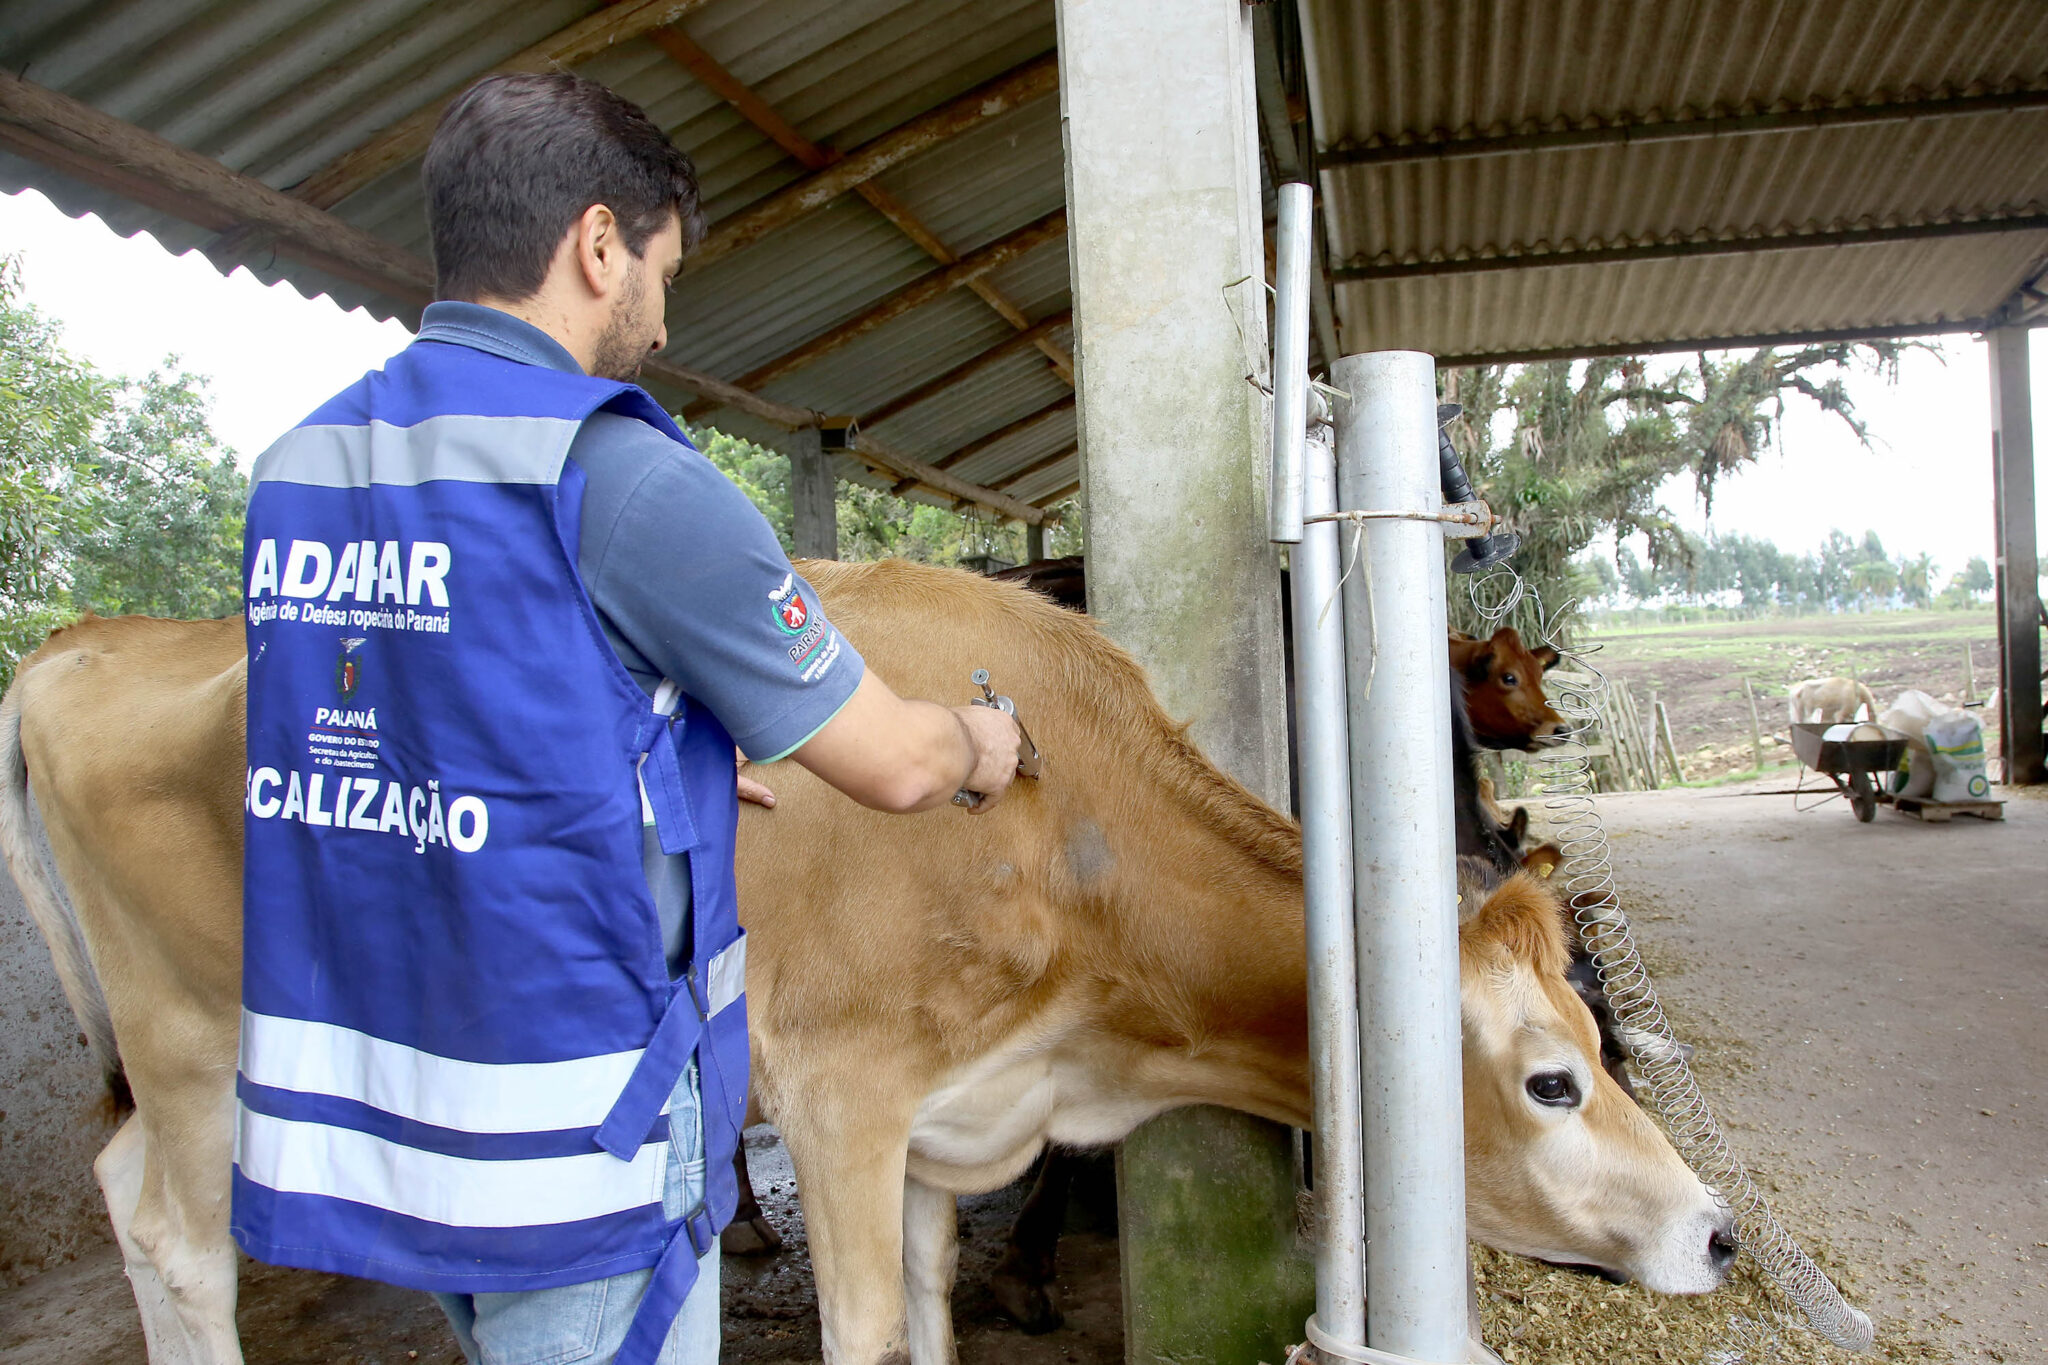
{"x":459,"y":1031}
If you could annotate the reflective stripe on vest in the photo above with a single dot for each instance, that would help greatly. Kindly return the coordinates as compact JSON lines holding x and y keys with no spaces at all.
{"x":459,"y":1035}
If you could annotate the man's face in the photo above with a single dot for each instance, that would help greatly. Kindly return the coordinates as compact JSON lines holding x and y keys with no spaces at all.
{"x":638,"y":326}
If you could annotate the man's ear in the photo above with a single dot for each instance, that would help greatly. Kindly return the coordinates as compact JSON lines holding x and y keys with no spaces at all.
{"x":597,"y":243}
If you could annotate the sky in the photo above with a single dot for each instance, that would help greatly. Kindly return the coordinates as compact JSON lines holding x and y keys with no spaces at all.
{"x":273,"y":356}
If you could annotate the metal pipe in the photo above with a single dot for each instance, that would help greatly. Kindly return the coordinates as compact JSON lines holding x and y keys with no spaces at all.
{"x":1406,"y":903}
{"x":1293,"y":260}
{"x":1324,"y":755}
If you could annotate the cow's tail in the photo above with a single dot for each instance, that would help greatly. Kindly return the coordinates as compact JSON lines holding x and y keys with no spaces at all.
{"x":50,"y":908}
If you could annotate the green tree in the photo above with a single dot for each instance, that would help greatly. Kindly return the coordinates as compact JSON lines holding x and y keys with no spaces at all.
{"x":1916,"y":579}
{"x":1583,"y":447}
{"x":1977,"y":577}
{"x":114,"y":496}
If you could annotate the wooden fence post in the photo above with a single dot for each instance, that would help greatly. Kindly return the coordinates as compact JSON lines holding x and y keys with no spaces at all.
{"x":1756,"y":728}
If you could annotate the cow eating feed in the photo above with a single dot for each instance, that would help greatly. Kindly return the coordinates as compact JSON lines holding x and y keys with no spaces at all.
{"x":933,"y":999}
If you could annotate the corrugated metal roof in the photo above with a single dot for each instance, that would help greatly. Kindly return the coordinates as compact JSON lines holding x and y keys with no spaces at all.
{"x":1426,"y":72}
{"x":278,"y":89}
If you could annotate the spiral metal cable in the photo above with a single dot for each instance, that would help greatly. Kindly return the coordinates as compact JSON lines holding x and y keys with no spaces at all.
{"x":1578,"y":693}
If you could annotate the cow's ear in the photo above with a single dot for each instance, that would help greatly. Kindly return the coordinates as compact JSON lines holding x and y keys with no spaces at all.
{"x":1546,"y":656}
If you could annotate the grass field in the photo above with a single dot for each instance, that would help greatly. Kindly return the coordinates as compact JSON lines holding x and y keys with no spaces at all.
{"x":1697,"y":671}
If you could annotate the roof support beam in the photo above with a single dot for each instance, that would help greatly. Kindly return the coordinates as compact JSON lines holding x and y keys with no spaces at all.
{"x":1019,"y":86}
{"x":1054,"y":499}
{"x":79,"y":140}
{"x":1064,"y":403}
{"x":917,"y":293}
{"x":966,"y":369}
{"x":82,"y":141}
{"x":1630,"y":132}
{"x":779,"y":130}
{"x":2015,"y":221}
{"x":408,"y":137}
{"x":1668,"y":346}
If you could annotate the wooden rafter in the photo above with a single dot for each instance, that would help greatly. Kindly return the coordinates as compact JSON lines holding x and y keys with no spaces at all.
{"x":966,"y":369}
{"x":1051,"y":498}
{"x":917,"y":293}
{"x":83,"y":142}
{"x":757,"y":111}
{"x":1064,"y":403}
{"x":1018,"y":86}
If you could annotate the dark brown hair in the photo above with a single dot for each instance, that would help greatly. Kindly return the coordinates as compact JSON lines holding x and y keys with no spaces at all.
{"x":518,"y":158}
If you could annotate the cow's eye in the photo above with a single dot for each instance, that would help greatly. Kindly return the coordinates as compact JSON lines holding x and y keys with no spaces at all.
{"x":1554,"y":1088}
{"x":1507,"y":680}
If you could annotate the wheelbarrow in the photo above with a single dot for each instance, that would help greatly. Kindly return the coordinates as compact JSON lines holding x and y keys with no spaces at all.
{"x":1852,"y":764}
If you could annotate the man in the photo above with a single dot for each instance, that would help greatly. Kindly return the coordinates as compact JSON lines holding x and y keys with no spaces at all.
{"x":506,"y":626}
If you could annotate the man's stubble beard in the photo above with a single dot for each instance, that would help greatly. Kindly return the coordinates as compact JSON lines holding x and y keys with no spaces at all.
{"x":624,"y":345}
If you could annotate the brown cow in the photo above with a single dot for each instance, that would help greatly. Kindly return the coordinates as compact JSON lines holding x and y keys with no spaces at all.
{"x":1504,"y":688}
{"x":933,"y":999}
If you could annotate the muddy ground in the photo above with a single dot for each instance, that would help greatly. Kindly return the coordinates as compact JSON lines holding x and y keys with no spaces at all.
{"x":1697,"y":670}
{"x":1867,"y":1000}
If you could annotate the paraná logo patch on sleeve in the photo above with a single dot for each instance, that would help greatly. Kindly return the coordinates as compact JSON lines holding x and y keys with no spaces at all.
{"x":792,"y":613}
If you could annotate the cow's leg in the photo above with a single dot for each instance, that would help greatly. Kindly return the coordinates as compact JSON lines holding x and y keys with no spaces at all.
{"x":931,"y":1256}
{"x":176,"y":1251}
{"x":1023,"y":1279}
{"x":750,"y":1233}
{"x":849,"y":1160}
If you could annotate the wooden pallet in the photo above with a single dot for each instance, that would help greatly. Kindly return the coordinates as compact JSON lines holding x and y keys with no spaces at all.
{"x":1941,"y":812}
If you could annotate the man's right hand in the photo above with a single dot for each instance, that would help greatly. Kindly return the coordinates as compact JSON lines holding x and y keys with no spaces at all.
{"x":996,"y":741}
{"x":894,"y":754}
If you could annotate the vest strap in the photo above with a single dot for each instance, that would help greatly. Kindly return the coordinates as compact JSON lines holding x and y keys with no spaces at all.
{"x":633,"y":1114}
{"x":674,"y":1274}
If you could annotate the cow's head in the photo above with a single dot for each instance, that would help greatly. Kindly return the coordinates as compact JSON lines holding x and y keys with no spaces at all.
{"x":1560,"y":1164}
{"x":1504,"y":689}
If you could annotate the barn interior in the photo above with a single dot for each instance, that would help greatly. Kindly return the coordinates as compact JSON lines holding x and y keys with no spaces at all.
{"x":904,"y":204}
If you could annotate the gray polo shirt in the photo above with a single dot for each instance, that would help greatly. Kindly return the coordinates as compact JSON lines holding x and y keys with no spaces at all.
{"x":687,"y":577}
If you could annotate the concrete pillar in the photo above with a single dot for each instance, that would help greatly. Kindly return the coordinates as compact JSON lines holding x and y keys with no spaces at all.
{"x":1164,"y":233}
{"x":813,"y":497}
{"x":2019,"y":593}
{"x":1034,"y":542}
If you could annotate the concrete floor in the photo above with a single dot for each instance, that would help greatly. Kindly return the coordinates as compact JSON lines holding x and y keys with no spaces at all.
{"x":1876,"y":994}
{"x":1866,"y":1000}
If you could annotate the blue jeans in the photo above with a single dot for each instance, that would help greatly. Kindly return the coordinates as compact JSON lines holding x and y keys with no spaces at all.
{"x":584,"y":1324}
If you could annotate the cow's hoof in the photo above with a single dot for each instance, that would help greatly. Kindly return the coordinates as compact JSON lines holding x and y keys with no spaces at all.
{"x":1030,"y":1305}
{"x":753,"y":1237}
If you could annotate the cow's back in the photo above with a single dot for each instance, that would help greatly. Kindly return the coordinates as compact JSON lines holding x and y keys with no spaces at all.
{"x":131,"y":729}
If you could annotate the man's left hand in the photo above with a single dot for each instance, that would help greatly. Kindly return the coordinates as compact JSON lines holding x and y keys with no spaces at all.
{"x":750,"y":790}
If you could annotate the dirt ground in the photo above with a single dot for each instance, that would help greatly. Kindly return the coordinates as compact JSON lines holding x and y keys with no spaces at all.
{"x":1697,"y":671}
{"x":1864,"y":998}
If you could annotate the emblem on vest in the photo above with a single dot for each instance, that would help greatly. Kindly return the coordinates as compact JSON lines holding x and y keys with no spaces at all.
{"x":348,"y":669}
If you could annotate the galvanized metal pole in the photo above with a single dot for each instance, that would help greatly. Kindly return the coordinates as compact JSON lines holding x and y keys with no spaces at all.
{"x":1324,"y":756}
{"x":1291,"y":264}
{"x":1305,"y":483}
{"x":1407,"y":913}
